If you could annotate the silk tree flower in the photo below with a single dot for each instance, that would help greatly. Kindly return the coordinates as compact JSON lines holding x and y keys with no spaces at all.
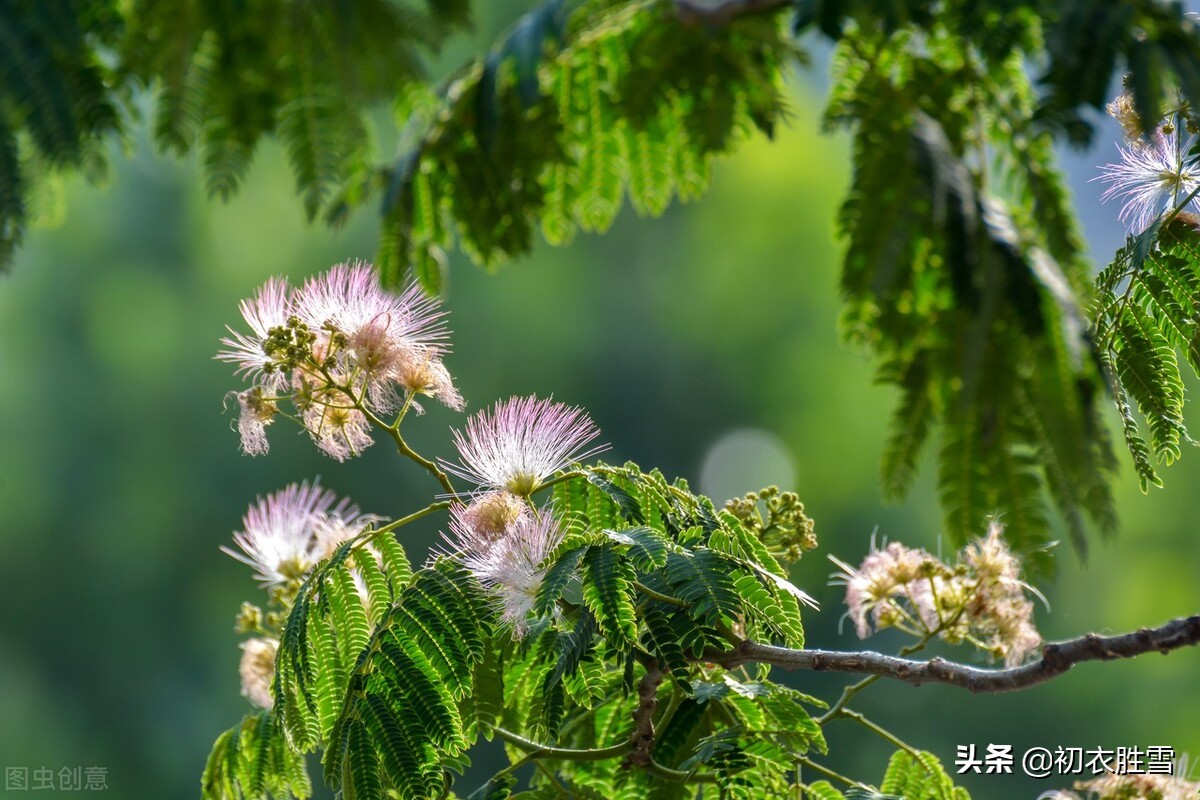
{"x":420,"y":371}
{"x":270,"y":308}
{"x":368,"y":331}
{"x":1152,"y":177}
{"x":999,"y":610}
{"x":521,"y":442}
{"x":256,"y":413}
{"x":286,"y":533}
{"x":1176,"y":785}
{"x":894,"y":571}
{"x":338,"y":429}
{"x":508,"y":565}
{"x":488,"y":517}
{"x":980,"y":599}
{"x":257,"y":669}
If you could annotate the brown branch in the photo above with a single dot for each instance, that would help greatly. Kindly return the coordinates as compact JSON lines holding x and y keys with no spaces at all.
{"x":641,"y":741}
{"x":1056,"y":659}
{"x":692,"y":12}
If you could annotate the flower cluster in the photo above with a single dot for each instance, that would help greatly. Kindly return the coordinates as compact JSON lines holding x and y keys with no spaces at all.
{"x":343,"y":350}
{"x":1155,"y":174}
{"x":510,"y":451}
{"x":283,"y":536}
{"x":980,"y":600}
{"x":257,"y":668}
{"x":503,"y":542}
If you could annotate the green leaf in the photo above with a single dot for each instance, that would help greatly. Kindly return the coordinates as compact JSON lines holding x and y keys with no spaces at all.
{"x":921,"y":776}
{"x":823,"y":790}
{"x":608,"y":593}
{"x":558,"y":575}
{"x":252,"y":760}
{"x":701,"y":579}
{"x":647,"y":548}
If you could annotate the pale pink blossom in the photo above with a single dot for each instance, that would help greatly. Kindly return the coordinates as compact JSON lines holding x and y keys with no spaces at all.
{"x":981,"y":599}
{"x":1177,"y":785}
{"x":488,"y":517}
{"x":521,"y":442}
{"x":256,"y":412}
{"x":279,"y":536}
{"x":508,"y":566}
{"x":420,"y":370}
{"x":1151,"y":178}
{"x":882,"y":575}
{"x":269,"y":308}
{"x":339,"y":430}
{"x":379,"y":327}
{"x":257,"y":670}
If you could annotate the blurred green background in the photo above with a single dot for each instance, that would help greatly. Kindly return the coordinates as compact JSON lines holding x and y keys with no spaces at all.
{"x":704,"y":343}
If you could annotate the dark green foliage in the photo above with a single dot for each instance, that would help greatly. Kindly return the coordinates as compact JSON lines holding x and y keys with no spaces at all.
{"x":1145,"y":318}
{"x":251,"y":760}
{"x":558,"y":123}
{"x":400,"y":723}
{"x":1090,"y":40}
{"x":327,"y":629}
{"x":969,"y":308}
{"x":963,"y":263}
{"x":228,"y":76}
{"x":1086,"y":43}
{"x":56,"y":103}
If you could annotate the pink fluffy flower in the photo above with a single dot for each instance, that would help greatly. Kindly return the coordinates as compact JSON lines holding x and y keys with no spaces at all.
{"x":883,"y":574}
{"x":1152,"y":177}
{"x":379,"y":330}
{"x":286,"y":533}
{"x":269,"y":308}
{"x":509,"y":564}
{"x":420,"y":371}
{"x":338,"y":429}
{"x":342,"y":349}
{"x":257,"y":670}
{"x":256,"y":413}
{"x":521,"y":442}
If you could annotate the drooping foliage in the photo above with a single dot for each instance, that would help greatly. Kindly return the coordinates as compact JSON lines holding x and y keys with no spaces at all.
{"x":963,"y":276}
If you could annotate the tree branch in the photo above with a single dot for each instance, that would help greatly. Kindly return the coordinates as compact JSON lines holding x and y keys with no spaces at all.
{"x":641,"y":741}
{"x":692,"y":12}
{"x":1056,"y":659}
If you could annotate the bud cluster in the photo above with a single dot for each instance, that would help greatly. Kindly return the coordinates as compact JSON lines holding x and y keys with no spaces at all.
{"x":785,"y":529}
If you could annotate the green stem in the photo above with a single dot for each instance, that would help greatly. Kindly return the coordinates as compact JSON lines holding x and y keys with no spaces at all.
{"x":561,"y":753}
{"x":393,"y":430}
{"x":679,"y":776}
{"x":828,"y":773}
{"x":882,"y":733}
{"x":566,"y":476}
{"x":413,"y":517}
{"x":665,"y":598}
